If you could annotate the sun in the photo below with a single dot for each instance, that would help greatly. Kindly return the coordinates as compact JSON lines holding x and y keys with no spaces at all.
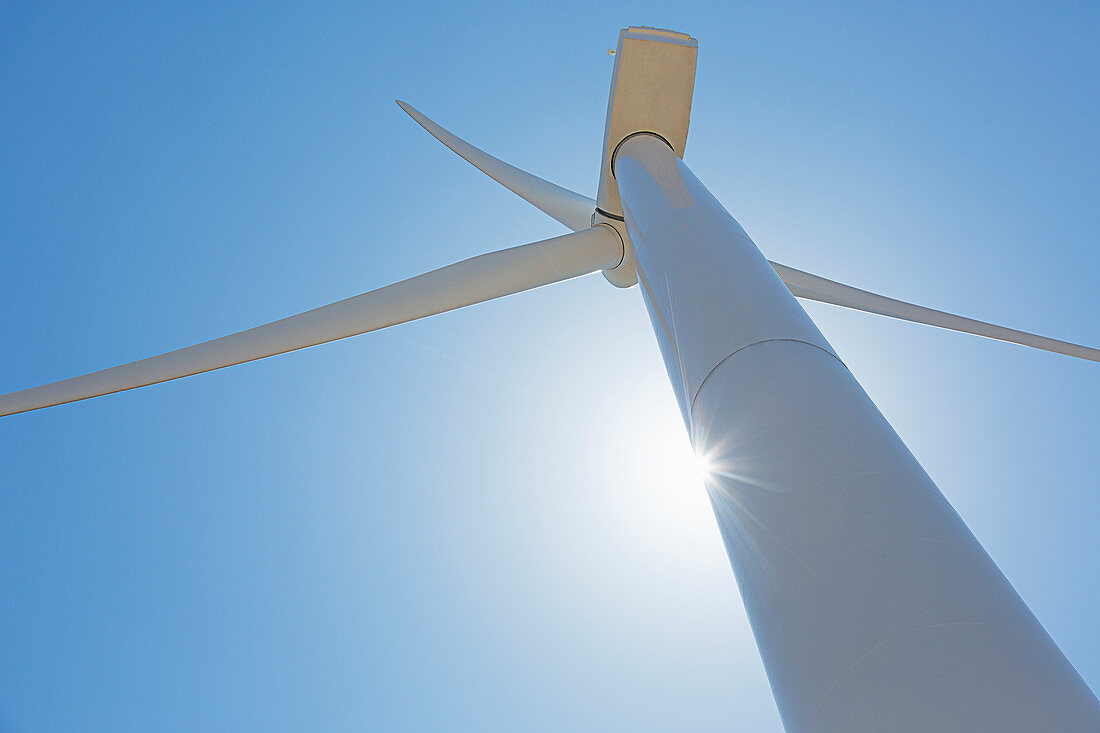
{"x":667,"y":493}
{"x":668,"y":458}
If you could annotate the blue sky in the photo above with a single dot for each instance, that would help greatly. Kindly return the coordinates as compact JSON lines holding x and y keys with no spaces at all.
{"x":481,"y":521}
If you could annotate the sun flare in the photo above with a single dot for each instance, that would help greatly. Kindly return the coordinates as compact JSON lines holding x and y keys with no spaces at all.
{"x":668,"y":496}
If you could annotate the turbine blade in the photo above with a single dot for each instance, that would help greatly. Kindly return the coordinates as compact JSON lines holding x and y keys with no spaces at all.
{"x":464,"y":283}
{"x":571,"y":209}
{"x":812,"y":287}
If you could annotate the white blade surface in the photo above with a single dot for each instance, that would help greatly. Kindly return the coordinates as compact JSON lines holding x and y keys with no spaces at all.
{"x":464,"y":283}
{"x":812,"y":287}
{"x":571,"y":209}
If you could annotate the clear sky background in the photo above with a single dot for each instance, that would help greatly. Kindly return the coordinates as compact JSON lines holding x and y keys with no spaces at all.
{"x":482,"y":521}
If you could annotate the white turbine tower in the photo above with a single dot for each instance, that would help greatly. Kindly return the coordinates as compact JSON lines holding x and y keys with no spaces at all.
{"x":873,"y":606}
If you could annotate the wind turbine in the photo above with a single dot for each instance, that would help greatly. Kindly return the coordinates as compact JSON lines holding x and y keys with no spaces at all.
{"x":872,"y":604}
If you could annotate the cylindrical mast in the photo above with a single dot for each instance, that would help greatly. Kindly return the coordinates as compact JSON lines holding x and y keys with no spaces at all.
{"x":873,"y":606}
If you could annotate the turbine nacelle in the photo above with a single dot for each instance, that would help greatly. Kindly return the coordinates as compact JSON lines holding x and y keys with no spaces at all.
{"x":651,"y":90}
